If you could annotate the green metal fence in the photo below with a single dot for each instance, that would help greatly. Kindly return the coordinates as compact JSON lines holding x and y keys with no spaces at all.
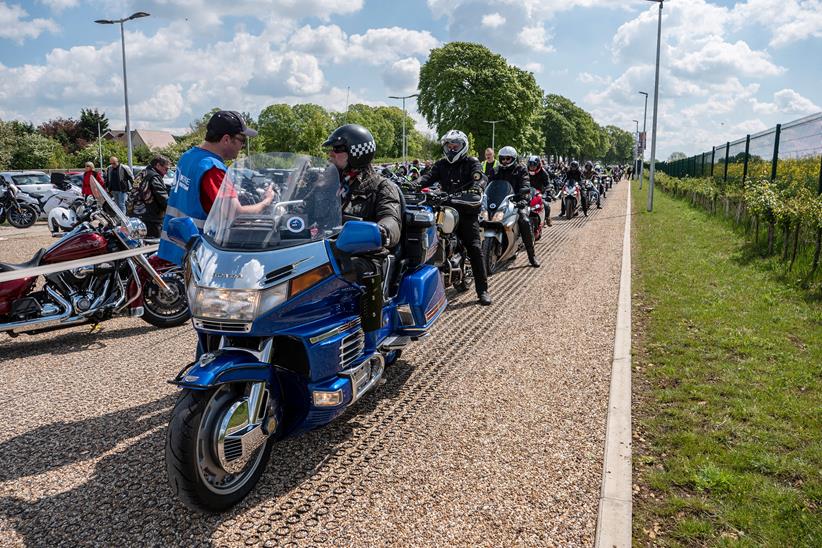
{"x":791,"y":151}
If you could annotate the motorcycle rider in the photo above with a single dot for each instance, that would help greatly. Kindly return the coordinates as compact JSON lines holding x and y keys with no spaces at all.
{"x":511,"y":171}
{"x":365,"y":194}
{"x":589,"y":172}
{"x":574,"y":174}
{"x":539,"y":179}
{"x":459,"y":172}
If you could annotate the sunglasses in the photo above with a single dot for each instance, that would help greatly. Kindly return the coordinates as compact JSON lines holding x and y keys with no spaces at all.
{"x":339,"y":149}
{"x":241,"y":138}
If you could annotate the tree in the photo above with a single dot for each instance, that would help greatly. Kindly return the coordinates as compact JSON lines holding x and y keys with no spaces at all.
{"x":90,"y":153}
{"x":581,"y":134}
{"x":66,"y":131}
{"x":676,"y":156}
{"x":278,"y":127}
{"x":462,"y":84}
{"x":621,"y":145}
{"x":88,"y":124}
{"x":35,"y":151}
{"x":314,"y":124}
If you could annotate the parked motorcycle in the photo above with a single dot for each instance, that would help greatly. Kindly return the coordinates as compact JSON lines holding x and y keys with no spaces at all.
{"x":289,"y":336}
{"x":128,"y":286}
{"x":19,"y":213}
{"x":59,"y":193}
{"x":501,"y":230}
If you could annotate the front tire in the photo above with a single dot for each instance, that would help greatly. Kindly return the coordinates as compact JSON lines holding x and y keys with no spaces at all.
{"x":490,"y":255}
{"x":190,"y":459}
{"x":467,"y":280}
{"x":162,"y":310}
{"x":570,"y":206}
{"x":24,"y":217}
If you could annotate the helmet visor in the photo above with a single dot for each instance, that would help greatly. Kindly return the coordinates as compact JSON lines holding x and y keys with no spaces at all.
{"x":506,"y":160}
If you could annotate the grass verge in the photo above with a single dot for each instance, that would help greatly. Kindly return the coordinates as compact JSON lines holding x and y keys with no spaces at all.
{"x":727,"y":391}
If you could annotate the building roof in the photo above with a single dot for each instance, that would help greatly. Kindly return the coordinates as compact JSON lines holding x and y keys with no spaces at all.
{"x":153,"y":139}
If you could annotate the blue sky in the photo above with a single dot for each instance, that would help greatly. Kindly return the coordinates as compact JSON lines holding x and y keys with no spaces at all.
{"x":729,"y":68}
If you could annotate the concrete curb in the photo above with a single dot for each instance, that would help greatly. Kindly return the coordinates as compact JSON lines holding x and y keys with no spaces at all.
{"x":614,"y":520}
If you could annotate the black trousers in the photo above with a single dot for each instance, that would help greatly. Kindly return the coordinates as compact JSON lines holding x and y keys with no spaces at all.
{"x":526,"y":233}
{"x":468,"y":231}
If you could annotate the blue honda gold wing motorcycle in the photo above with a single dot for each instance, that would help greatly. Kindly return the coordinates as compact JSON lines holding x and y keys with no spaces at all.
{"x":288,"y":336}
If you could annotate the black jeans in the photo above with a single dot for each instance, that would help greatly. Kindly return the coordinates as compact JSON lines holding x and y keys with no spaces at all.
{"x":526,"y":233}
{"x":468,"y":231}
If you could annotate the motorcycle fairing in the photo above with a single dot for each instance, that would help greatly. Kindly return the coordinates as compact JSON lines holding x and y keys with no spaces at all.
{"x":223,"y":366}
{"x":424,"y":293}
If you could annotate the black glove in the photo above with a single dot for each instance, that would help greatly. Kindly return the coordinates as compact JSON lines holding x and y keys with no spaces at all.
{"x":522,"y":204}
{"x":474,"y":189}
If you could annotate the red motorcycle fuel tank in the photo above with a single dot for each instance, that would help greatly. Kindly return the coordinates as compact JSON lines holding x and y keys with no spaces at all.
{"x":79,"y":246}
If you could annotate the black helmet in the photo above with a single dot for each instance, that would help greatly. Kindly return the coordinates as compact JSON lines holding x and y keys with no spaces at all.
{"x":356,"y":141}
{"x":589,"y":165}
{"x":574,"y":165}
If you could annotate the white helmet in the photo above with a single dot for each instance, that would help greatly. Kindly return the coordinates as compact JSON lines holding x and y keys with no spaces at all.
{"x":507,"y":152}
{"x":454,"y":136}
{"x":61,"y":218}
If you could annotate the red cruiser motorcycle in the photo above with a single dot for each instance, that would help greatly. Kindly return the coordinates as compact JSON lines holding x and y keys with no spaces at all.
{"x":124,"y":286}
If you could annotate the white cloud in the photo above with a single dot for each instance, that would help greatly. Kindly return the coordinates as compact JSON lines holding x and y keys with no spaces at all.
{"x":15,"y":25}
{"x":786,"y":101}
{"x":403,"y":75}
{"x":59,"y":5}
{"x":166,"y":103}
{"x":493,"y":20}
{"x":376,"y":46}
{"x":788,"y":20}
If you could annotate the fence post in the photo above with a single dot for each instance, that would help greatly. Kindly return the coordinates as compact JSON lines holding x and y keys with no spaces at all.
{"x":820,"y":176}
{"x":702,"y":169}
{"x":727,"y":151}
{"x":775,"y":151}
{"x":713,"y":159}
{"x":745,"y":166}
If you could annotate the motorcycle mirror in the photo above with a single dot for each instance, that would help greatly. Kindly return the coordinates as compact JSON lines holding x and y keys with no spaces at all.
{"x":359,"y":237}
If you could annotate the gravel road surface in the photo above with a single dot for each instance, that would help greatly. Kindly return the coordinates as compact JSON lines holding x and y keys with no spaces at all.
{"x":489,"y":432}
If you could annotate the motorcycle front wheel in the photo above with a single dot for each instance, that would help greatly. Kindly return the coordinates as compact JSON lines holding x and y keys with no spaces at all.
{"x":570,"y":206}
{"x":467,"y":280}
{"x":23,"y":217}
{"x":162,"y":309}
{"x":490,"y":255}
{"x":194,"y":468}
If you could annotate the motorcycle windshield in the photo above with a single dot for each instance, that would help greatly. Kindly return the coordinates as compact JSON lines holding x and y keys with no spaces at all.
{"x":496,"y":193}
{"x":275,"y":200}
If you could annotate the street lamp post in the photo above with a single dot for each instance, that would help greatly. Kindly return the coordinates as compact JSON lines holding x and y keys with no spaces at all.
{"x":644,"y":123}
{"x":493,"y":132}
{"x":636,"y":144}
{"x":136,"y":15}
{"x":404,"y":142}
{"x":656,"y":103}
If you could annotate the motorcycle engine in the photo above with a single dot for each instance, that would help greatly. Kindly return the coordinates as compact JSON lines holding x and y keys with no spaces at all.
{"x":82,"y":301}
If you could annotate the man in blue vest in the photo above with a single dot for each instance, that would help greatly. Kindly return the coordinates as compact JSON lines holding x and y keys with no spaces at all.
{"x":200,"y":174}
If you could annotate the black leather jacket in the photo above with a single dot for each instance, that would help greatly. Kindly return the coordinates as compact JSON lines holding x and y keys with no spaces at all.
{"x":374,"y":198}
{"x":518,"y":177}
{"x":455,"y":177}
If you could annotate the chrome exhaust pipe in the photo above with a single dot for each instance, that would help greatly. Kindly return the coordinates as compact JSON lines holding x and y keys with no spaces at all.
{"x":22,"y":326}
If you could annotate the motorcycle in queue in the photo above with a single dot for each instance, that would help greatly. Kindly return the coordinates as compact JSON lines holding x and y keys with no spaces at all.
{"x":19,"y":213}
{"x":132,"y":286}
{"x":501,"y":230}
{"x":571,"y":196}
{"x":536,"y":213}
{"x":288,"y":336}
{"x":591,"y":191}
{"x":451,"y":256}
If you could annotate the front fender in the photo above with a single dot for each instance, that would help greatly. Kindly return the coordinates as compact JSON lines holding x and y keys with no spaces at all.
{"x":494,"y":230}
{"x":223,"y":366}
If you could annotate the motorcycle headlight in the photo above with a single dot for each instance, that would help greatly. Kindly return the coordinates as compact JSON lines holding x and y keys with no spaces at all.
{"x":136,"y":228}
{"x":498,"y":216}
{"x":225,"y":304}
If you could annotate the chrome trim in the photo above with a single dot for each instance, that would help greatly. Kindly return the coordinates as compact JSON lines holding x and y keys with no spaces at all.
{"x":19,"y":327}
{"x":219,"y":325}
{"x":336,"y":331}
{"x":364,"y":376}
{"x":263,"y":355}
{"x":237,"y":443}
{"x":395,"y":342}
{"x":351,"y":347}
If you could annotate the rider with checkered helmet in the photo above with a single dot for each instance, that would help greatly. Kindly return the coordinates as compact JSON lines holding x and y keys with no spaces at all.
{"x":365,"y":194}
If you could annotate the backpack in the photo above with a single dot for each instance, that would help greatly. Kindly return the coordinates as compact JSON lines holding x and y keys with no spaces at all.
{"x":140,"y":195}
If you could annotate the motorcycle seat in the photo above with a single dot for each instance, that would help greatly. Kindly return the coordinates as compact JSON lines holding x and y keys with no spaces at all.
{"x":31,"y":263}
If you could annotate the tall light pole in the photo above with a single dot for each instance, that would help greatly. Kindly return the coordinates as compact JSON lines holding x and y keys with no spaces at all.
{"x":493,"y":132}
{"x":636,"y":145}
{"x":404,"y":143}
{"x":656,"y":103}
{"x":644,"y":123}
{"x":136,"y":15}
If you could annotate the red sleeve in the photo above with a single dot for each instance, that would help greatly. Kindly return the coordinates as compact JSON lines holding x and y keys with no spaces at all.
{"x":210,"y":187}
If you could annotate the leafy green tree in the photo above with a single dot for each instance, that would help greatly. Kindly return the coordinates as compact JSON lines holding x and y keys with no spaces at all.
{"x":36,"y":151}
{"x":621,"y":147}
{"x":581,"y":134}
{"x":90,"y":153}
{"x":676,"y":156}
{"x":314,"y":124}
{"x":278,"y":127}
{"x":462,"y":84}
{"x":88,"y":124}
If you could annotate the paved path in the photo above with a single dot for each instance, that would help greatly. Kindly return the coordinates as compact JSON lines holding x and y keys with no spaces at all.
{"x":489,"y":432}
